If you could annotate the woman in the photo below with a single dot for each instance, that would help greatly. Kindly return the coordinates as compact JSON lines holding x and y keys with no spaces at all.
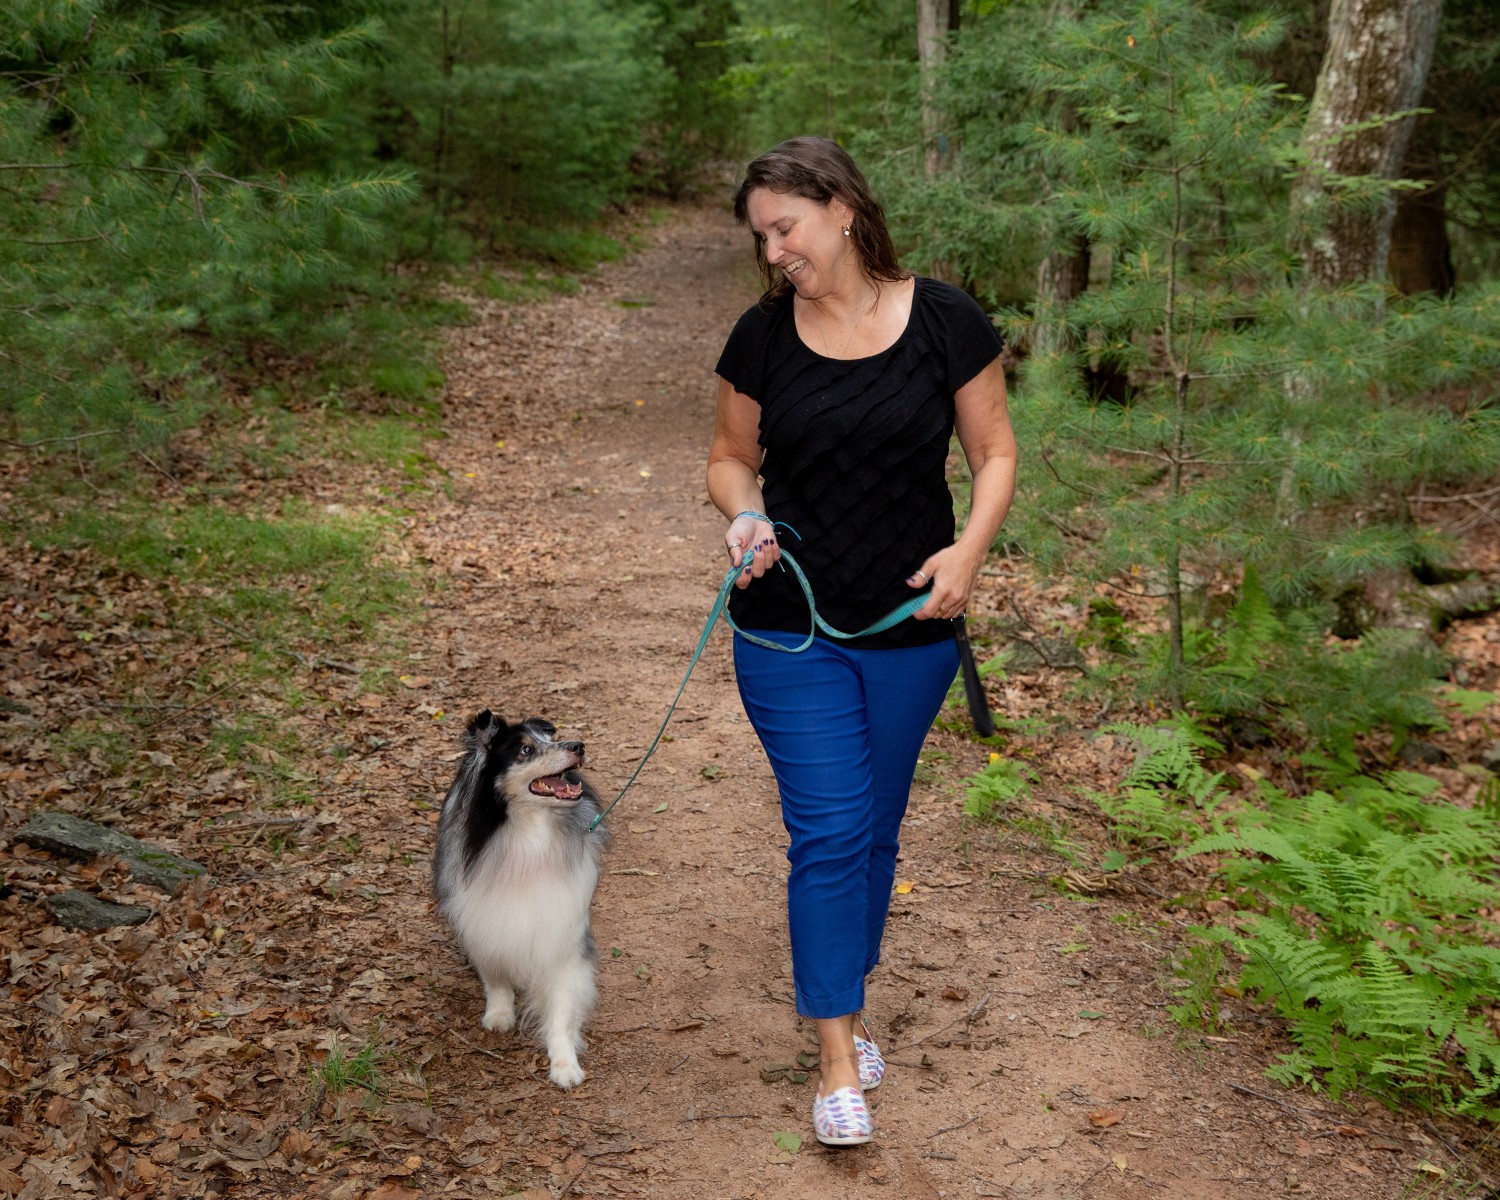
{"x":841,"y":390}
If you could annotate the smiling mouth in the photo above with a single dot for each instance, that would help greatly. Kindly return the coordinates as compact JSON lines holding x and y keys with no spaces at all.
{"x":795,"y":268}
{"x":557,"y":787}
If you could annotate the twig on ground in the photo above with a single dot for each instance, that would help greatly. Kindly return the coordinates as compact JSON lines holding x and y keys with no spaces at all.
{"x":721,"y":1117}
{"x":254,"y":823}
{"x":159,"y":469}
{"x":472,"y":1046}
{"x":967,"y":1019}
{"x":952,"y":1128}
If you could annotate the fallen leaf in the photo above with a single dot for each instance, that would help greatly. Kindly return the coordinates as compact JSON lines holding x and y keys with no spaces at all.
{"x":394,"y":1191}
{"x":904,"y":887}
{"x":1427,"y":1168}
{"x":791,"y":1143}
{"x":955,"y":993}
{"x":415,"y":681}
{"x":1103,"y":1118}
{"x":1120,"y":1162}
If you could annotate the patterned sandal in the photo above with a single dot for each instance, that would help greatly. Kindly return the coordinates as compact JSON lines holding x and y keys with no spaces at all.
{"x":841,"y":1119}
{"x":871,"y":1064}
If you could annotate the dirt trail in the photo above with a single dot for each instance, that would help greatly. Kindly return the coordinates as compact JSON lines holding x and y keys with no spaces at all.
{"x":1030,"y":1054}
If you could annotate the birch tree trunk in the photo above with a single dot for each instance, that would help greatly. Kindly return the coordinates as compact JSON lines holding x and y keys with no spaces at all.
{"x":1375,"y":66}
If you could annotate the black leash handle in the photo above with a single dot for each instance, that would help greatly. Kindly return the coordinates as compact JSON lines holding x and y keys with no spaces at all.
{"x":979,"y":708}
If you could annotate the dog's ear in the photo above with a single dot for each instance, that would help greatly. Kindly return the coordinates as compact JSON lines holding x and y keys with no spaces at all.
{"x":484,"y":729}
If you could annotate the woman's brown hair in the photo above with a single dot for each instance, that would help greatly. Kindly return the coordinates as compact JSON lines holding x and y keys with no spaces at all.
{"x":819,"y":169}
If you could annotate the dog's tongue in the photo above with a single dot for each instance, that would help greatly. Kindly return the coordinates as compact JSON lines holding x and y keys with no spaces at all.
{"x":556,"y":785}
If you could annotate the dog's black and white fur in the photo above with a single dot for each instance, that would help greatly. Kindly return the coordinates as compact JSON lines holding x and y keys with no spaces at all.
{"x":515,"y":870}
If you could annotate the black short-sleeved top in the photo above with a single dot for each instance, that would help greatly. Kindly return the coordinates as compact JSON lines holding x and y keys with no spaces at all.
{"x":855,"y":457}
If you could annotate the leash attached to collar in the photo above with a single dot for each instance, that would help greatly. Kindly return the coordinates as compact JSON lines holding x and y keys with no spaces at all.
{"x":720,"y":609}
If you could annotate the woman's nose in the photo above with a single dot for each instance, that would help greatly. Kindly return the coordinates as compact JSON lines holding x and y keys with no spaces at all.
{"x":774,"y":251}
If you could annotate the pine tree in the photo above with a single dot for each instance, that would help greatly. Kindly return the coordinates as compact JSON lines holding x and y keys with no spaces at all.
{"x":167,"y":176}
{"x":1176,"y":172}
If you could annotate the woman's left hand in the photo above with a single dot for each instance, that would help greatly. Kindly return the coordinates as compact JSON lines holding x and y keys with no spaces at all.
{"x":952,"y":572}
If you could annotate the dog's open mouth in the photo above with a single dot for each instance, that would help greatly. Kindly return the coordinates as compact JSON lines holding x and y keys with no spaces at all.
{"x":557,"y":786}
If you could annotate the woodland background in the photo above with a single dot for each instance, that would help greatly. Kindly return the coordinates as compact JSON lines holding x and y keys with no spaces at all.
{"x":1246,"y":258}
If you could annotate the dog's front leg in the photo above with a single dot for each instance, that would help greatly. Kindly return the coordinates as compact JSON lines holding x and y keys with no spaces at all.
{"x":499,"y":1005}
{"x":565,"y":1005}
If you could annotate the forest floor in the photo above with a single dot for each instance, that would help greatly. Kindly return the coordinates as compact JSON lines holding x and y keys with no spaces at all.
{"x":1022,"y":1000}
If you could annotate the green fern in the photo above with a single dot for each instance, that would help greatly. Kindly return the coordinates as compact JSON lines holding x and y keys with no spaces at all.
{"x":1373,"y":938}
{"x":1166,"y":794}
{"x":994,"y":789}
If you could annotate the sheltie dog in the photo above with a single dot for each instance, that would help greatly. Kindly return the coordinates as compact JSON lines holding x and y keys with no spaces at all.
{"x":514,"y":871}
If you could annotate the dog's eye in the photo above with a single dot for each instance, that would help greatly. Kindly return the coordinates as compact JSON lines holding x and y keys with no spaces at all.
{"x":527,"y":751}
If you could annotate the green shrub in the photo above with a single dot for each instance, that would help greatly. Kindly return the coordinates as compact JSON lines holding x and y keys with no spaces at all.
{"x":1368,"y":919}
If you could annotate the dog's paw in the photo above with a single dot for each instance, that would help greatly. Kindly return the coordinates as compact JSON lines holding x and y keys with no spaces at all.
{"x":566,"y":1074}
{"x":500,"y":1018}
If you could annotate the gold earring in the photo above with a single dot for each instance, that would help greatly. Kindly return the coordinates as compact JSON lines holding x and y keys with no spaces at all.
{"x":846,"y":231}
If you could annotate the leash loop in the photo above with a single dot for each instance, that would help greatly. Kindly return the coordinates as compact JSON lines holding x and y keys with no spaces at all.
{"x":721,"y":609}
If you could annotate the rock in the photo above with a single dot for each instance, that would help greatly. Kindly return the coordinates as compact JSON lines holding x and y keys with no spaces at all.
{"x":73,"y":837}
{"x":79,"y":910}
{"x":1490,"y":757}
{"x":1417,"y":753}
{"x":1247,"y":731}
{"x":1032,"y":653}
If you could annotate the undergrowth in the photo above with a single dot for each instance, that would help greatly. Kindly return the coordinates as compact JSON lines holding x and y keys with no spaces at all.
{"x":1365,"y":918}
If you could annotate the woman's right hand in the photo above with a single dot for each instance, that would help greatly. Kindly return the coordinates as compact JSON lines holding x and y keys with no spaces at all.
{"x":751,"y":543}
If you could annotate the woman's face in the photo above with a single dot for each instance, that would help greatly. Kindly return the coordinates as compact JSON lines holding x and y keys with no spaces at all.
{"x":805,"y":240}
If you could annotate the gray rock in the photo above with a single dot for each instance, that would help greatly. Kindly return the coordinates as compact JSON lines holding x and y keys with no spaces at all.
{"x":79,"y":910}
{"x":1031,"y":653}
{"x":73,"y":837}
{"x":1490,"y":757}
{"x":1417,"y":753}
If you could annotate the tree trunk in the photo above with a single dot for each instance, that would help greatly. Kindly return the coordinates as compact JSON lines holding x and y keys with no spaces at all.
{"x":935,"y":20}
{"x":1421,"y":256}
{"x":1375,"y":66}
{"x":1062,"y":277}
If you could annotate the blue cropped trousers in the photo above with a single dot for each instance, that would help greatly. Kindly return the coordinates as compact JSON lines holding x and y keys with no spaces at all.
{"x":842,"y":728}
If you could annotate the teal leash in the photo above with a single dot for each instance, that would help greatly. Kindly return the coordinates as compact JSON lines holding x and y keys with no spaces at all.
{"x":720,"y":609}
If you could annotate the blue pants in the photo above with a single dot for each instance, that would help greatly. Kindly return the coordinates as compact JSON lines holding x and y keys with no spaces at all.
{"x":842,"y":729}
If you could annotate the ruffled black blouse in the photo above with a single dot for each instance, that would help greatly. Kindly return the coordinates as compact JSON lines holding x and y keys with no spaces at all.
{"x":855,"y":451}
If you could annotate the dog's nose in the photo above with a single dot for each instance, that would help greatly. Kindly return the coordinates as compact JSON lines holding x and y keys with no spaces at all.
{"x":576,"y":748}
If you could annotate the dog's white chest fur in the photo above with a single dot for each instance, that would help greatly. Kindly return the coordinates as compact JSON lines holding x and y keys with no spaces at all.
{"x":523,"y":907}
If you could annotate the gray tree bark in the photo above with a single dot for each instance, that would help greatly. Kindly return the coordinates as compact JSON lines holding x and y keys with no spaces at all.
{"x":1375,"y":66}
{"x":935,"y":20}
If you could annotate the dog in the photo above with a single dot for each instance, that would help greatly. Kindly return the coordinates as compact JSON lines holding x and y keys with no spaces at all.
{"x":514,"y":872}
